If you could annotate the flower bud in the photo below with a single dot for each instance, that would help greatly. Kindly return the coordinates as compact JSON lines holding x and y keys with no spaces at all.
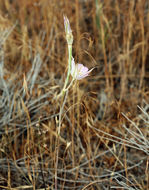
{"x":68,"y":31}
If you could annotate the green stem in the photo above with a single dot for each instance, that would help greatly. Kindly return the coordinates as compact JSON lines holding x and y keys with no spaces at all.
{"x":69,"y":67}
{"x":65,"y":89}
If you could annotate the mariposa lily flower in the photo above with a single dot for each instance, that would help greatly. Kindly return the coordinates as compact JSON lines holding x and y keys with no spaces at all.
{"x":79,"y":71}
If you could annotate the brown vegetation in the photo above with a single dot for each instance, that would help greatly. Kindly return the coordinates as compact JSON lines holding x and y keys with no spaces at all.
{"x":104,"y":137}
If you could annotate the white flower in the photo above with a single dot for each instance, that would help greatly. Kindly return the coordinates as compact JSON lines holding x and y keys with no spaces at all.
{"x":79,"y":71}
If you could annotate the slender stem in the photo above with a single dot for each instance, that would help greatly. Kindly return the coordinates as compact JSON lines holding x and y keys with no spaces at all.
{"x":69,"y":66}
{"x":70,"y":85}
{"x":64,"y":97}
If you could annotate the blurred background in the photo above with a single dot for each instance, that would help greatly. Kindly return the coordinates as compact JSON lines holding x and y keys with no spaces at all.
{"x":104,"y":132}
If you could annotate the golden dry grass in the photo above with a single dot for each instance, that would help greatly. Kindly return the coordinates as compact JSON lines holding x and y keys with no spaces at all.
{"x":104,"y":139}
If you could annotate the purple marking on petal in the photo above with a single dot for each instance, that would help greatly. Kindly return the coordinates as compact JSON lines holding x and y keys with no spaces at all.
{"x":84,"y":69}
{"x":79,"y":66}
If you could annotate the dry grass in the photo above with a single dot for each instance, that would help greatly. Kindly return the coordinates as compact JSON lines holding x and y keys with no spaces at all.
{"x":104,"y":140}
